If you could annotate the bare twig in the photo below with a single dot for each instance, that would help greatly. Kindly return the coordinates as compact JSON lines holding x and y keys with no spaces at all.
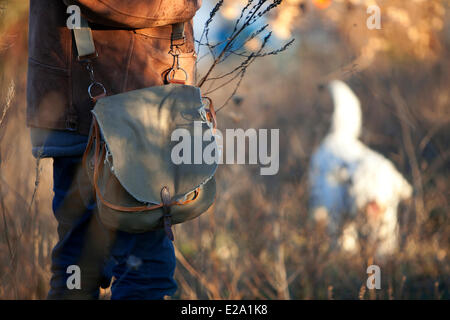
{"x":214,"y":292}
{"x":9,"y":98}
{"x":401,"y":107}
{"x":250,"y":13}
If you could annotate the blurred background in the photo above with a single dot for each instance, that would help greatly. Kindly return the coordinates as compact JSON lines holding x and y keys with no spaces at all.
{"x":257,"y":241}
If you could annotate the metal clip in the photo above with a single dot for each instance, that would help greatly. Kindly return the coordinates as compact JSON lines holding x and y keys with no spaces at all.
{"x":94,"y":83}
{"x":107,"y":156}
{"x":175,"y":52}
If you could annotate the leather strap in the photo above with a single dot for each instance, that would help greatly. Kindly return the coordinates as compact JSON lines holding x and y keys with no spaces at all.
{"x":85,"y":42}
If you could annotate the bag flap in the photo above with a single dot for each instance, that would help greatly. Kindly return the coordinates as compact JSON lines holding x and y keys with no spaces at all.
{"x":137,"y":128}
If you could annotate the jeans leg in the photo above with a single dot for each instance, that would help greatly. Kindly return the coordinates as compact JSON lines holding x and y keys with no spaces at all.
{"x":145,"y":266}
{"x":82,"y":241}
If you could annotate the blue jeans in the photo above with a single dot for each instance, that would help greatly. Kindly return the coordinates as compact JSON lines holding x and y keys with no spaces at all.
{"x":143,"y":265}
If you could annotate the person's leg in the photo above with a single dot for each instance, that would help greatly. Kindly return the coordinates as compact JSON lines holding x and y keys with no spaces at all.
{"x":145,"y":266}
{"x":82,"y":240}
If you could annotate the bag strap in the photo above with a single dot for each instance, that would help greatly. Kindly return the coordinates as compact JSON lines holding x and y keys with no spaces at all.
{"x":86,"y":52}
{"x":84,"y":41}
{"x":86,"y":46}
{"x":177,"y":37}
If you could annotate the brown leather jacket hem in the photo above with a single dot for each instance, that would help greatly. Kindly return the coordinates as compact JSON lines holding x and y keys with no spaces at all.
{"x":128,"y":59}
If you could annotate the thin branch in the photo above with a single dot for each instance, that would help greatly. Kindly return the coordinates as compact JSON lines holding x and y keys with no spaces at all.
{"x":229,"y":43}
{"x":250,"y":14}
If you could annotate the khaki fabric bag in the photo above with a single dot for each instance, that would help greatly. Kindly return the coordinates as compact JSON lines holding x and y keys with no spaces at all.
{"x":128,"y":157}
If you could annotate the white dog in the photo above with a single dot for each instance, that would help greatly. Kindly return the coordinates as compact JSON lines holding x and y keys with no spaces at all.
{"x":346,"y":177}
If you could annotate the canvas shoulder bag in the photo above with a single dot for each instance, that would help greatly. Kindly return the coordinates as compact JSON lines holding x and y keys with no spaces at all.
{"x":130,"y":153}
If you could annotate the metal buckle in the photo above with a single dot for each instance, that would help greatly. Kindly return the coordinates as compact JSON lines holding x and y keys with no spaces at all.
{"x":99,"y":85}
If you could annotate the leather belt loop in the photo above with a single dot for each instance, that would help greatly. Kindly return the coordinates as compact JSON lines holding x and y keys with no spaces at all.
{"x":166,"y":202}
{"x":177,"y":37}
{"x":71,"y":120}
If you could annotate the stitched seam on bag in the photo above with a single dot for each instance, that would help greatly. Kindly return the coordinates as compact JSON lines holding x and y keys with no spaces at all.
{"x":133,"y":16}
